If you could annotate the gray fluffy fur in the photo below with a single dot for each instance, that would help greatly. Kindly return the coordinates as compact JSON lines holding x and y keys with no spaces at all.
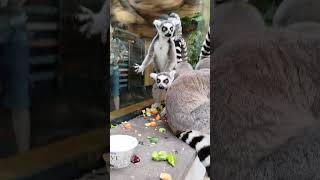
{"x":188,"y":102}
{"x":293,"y":11}
{"x":265,"y":108}
{"x":203,"y":64}
{"x":234,"y":20}
{"x":305,"y":28}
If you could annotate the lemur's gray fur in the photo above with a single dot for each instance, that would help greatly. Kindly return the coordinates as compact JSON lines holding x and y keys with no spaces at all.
{"x":265,"y":108}
{"x":162,"y":50}
{"x":293,"y":11}
{"x":188,"y":102}
{"x":235,"y":19}
{"x":305,"y":28}
{"x":203,"y":64}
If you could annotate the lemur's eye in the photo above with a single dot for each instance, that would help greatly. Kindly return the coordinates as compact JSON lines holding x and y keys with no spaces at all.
{"x":158,"y":81}
{"x":164,"y":29}
{"x":171,"y":28}
{"x":166,"y":81}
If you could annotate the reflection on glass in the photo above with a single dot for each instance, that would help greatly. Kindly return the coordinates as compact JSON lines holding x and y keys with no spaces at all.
{"x":14,"y":70}
{"x":125,"y":49}
{"x":52,"y":79}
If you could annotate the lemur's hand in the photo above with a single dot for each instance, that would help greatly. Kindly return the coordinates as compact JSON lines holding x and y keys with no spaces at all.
{"x":93,"y":22}
{"x":139,"y":69}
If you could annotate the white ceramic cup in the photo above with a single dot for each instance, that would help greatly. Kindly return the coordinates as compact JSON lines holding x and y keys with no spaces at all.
{"x":121,"y":150}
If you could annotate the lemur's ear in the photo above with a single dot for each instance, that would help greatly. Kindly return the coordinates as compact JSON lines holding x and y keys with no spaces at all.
{"x":153,"y":76}
{"x":172,"y":73}
{"x":157,"y":23}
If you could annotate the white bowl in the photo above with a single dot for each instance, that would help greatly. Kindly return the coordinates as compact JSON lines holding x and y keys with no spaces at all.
{"x":121,"y":150}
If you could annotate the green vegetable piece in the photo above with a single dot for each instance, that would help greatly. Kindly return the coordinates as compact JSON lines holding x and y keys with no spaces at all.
{"x":159,"y":156}
{"x":162,"y":130}
{"x":162,"y":155}
{"x":153,"y":139}
{"x":155,"y":156}
{"x":171,"y":159}
{"x":113,"y":126}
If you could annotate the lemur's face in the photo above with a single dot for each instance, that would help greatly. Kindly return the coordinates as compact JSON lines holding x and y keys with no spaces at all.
{"x":164,"y":28}
{"x":163,"y":79}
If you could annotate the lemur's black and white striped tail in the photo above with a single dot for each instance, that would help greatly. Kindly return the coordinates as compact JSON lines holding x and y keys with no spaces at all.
{"x":205,"y":49}
{"x":180,"y":43}
{"x":181,"y":49}
{"x":201,"y":143}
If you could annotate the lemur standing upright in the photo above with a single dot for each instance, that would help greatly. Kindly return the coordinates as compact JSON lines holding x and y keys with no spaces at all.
{"x":162,"y":48}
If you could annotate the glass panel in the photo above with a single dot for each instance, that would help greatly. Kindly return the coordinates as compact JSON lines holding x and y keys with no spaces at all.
{"x":52,"y":75}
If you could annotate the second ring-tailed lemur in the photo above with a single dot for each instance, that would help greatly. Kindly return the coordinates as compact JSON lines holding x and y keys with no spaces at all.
{"x":162,"y":48}
{"x":163,"y":81}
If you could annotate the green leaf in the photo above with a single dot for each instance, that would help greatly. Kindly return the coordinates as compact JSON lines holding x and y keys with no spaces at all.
{"x":153,"y":139}
{"x":171,"y":159}
{"x":162,"y":155}
{"x":155,"y":156}
{"x":159,"y":156}
{"x":113,"y":126}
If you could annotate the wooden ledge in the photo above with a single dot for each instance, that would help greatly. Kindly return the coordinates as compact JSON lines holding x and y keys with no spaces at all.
{"x":130,"y":109}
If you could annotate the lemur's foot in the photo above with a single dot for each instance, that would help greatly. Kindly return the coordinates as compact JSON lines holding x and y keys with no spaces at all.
{"x":138,"y":68}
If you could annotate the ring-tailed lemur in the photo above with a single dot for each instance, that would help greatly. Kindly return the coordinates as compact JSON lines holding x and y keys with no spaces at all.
{"x":201,"y":143}
{"x":162,"y":49}
{"x":180,"y":43}
{"x":205,"y":49}
{"x":164,"y":80}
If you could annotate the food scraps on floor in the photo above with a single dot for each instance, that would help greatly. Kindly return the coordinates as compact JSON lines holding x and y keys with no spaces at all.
{"x":127,"y":125}
{"x":162,"y":130}
{"x":165,"y":176}
{"x":164,"y":156}
{"x":153,"y":139}
{"x":135,"y":159}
